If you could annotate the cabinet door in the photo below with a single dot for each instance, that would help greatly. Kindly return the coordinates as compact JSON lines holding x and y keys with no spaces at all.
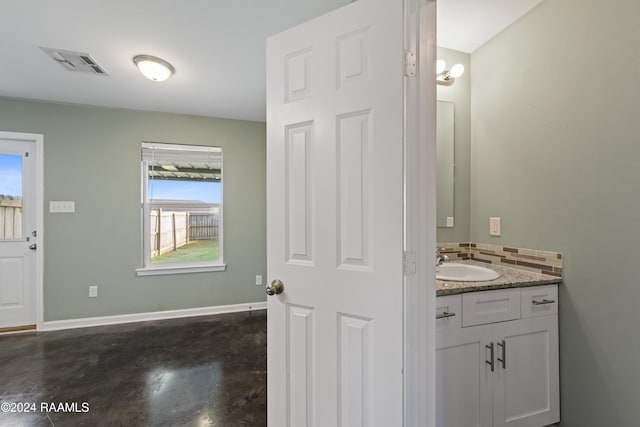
{"x":526,"y":389}
{"x":463,"y":378}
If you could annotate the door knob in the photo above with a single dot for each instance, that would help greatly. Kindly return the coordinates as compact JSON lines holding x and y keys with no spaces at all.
{"x":274,"y":288}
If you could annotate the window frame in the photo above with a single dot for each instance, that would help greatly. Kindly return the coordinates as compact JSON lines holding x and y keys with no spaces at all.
{"x":148,"y":268}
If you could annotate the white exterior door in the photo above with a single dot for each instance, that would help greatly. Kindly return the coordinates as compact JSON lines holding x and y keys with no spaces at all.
{"x":335,"y":219}
{"x":18,"y":216}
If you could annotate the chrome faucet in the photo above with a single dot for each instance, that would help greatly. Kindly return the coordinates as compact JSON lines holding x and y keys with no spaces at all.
{"x":440,"y":258}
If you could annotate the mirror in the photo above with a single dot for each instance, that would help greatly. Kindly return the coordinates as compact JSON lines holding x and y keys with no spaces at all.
{"x":445,"y":164}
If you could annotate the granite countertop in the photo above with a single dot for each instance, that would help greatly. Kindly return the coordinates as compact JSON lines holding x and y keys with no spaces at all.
{"x":509,"y":278}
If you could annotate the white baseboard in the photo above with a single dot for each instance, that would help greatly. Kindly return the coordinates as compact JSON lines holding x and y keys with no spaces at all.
{"x":86,"y":322}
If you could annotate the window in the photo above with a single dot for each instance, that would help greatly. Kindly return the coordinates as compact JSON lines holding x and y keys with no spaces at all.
{"x":181,"y":208}
{"x":10,"y":196}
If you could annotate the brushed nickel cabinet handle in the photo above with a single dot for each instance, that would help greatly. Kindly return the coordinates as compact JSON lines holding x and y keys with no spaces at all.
{"x":503,"y":345}
{"x":543,"y":302}
{"x":492,"y":361}
{"x":445,"y":315}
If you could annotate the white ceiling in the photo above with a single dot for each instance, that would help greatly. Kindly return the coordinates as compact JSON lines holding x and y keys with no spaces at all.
{"x":217,"y":48}
{"x":465,"y":25}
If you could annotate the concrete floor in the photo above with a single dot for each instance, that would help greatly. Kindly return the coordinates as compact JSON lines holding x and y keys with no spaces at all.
{"x":202,"y":371}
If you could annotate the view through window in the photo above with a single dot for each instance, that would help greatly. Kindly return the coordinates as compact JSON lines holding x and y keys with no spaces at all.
{"x":10,"y":197}
{"x":182,"y":204}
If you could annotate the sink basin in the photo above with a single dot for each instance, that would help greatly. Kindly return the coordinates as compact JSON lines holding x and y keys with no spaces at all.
{"x":464,"y":273}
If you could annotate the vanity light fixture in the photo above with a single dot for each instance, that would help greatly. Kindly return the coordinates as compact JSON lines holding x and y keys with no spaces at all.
{"x":154,"y":68}
{"x":447,"y":77}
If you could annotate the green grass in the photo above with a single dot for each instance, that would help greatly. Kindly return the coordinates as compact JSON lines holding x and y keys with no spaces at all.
{"x":198,"y":250}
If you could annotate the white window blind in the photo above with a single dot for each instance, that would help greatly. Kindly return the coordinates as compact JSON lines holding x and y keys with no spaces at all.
{"x":153,"y":151}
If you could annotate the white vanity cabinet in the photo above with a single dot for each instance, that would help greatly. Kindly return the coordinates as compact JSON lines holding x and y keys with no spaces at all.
{"x":497,"y":358}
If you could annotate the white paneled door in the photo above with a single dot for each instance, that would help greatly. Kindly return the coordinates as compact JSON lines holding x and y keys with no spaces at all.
{"x":335,"y":219}
{"x":18,"y":234}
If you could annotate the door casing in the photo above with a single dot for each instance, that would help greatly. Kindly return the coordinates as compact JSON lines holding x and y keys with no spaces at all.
{"x":420,"y":216}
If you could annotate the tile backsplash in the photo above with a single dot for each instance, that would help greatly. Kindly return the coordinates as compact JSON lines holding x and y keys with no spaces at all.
{"x":526,"y":259}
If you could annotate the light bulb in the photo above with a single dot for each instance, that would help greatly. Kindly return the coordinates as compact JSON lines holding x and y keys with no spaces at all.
{"x":456,"y":71}
{"x":440,"y":66}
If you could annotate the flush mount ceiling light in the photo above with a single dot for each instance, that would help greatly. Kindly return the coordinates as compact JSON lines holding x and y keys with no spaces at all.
{"x":153,"y":68}
{"x":447,"y":77}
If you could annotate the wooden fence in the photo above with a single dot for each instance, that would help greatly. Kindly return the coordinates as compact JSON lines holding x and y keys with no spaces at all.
{"x":10,"y":219}
{"x":203,"y":226}
{"x":171,"y":230}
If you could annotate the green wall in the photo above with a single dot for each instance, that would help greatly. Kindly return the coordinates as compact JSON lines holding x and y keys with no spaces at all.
{"x":92,"y":156}
{"x":459,"y":93}
{"x":555,"y":108}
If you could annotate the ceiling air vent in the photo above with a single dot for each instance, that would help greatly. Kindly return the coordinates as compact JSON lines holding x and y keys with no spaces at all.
{"x":75,"y":61}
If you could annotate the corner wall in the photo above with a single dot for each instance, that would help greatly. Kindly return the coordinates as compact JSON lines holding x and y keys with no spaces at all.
{"x":459,"y":94}
{"x":92,"y":156}
{"x":555,"y":109}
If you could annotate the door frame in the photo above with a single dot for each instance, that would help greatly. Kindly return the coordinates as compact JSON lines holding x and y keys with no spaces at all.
{"x":38,"y":139}
{"x":420,"y":216}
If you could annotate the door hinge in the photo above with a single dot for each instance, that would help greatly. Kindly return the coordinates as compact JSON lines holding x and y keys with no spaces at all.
{"x":26,"y":154}
{"x":409,"y":263}
{"x":409,"y":63}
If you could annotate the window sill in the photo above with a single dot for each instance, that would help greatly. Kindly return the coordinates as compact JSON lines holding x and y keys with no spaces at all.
{"x":156,"y":271}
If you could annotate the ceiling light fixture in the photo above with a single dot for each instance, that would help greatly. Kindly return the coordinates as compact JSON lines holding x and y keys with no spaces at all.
{"x":154,"y":68}
{"x":447,"y":77}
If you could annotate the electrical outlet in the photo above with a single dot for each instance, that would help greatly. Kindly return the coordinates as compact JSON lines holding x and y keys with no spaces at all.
{"x":93,"y":291}
{"x":258,"y":280}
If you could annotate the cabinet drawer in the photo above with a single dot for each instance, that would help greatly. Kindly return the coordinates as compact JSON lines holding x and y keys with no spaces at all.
{"x":483,"y":307}
{"x":448,"y":312}
{"x":539,"y":301}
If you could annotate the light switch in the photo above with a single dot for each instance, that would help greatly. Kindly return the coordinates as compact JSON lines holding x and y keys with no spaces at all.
{"x":494,"y":226}
{"x":449,"y":221}
{"x":62,"y":207}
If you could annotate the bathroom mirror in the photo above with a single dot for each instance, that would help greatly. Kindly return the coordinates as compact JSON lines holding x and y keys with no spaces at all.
{"x":445,"y":164}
